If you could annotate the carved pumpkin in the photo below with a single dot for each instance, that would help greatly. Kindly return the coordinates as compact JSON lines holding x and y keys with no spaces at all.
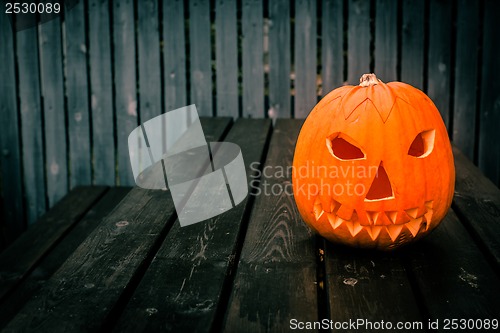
{"x":373,"y":165}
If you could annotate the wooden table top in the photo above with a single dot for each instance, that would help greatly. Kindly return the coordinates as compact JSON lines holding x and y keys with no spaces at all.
{"x":116,"y":259}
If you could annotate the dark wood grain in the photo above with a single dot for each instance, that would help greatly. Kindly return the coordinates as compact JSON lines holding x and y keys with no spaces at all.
{"x":252,"y":54}
{"x":32,"y":126}
{"x":226,"y":58}
{"x":10,"y":159}
{"x":195,"y":260}
{"x":332,"y":45}
{"x":101,"y":88}
{"x":77,"y":96}
{"x":51,"y":78}
{"x":412,"y":43}
{"x":19,"y":259}
{"x":439,"y":63}
{"x":125,"y":82}
{"x":489,"y":111}
{"x":200,"y":56}
{"x":386,"y":40}
{"x":265,"y":296}
{"x":279,"y":59}
{"x":55,"y":257}
{"x":358,"y":40}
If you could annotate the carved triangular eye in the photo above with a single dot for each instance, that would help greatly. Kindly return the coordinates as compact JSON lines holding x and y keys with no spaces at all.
{"x":423,"y":144}
{"x":343,"y":148}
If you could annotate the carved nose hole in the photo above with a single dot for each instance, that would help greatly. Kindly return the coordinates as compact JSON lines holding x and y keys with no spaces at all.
{"x":381,"y":188}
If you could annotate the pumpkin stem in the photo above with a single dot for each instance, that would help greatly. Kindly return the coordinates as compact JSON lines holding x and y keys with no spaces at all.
{"x":368,"y":80}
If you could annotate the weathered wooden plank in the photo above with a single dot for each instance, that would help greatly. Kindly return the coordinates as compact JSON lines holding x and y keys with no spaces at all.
{"x":51,"y":78}
{"x":10,"y":158}
{"x":332,"y":45}
{"x":279,"y":59}
{"x":174,"y":54}
{"x":412,"y":43}
{"x":489,"y":112}
{"x":196,"y":260}
{"x":148,"y":53}
{"x":20,"y":258}
{"x":306,"y":95}
{"x":226,"y":57}
{"x":55,"y":257}
{"x":465,"y":101}
{"x":265,"y":296}
{"x":77,"y":96}
{"x":453,"y":277}
{"x":439,"y":64}
{"x":477,"y":202}
{"x":252,"y":54}
{"x":32,"y":128}
{"x":125,"y":84}
{"x":358,"y":40}
{"x":386,"y":40}
{"x":200,"y":56}
{"x":105,"y":265}
{"x":101,"y":87}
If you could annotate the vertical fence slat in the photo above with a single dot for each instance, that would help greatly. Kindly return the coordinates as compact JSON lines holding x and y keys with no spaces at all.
{"x":226,"y":58}
{"x":412,"y":43}
{"x":332,"y":45}
{"x":125,"y":84}
{"x":305,"y":57}
{"x":101,"y":94}
{"x":200,"y":56}
{"x":10,"y":158}
{"x":489,"y":121}
{"x":31,"y":120}
{"x":51,"y":71}
{"x":279,"y":59}
{"x":439,"y":67}
{"x":252,"y":23}
{"x":174,"y":53}
{"x":464,"y":117}
{"x":386,"y":40}
{"x":77,"y":96}
{"x":358,"y":54}
{"x":148,"y":51}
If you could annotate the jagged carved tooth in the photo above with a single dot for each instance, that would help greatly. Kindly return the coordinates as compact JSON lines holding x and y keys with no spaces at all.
{"x":372,"y":217}
{"x":426,"y":221}
{"x":335,"y":221}
{"x":373,"y":231}
{"x":392,"y":215}
{"x":414,"y":226}
{"x":428,"y":217}
{"x":345,"y":212}
{"x":429,"y":204}
{"x":413,"y":212}
{"x":334,"y":206}
{"x":318,"y":214}
{"x":394,"y":231}
{"x":354,"y":227}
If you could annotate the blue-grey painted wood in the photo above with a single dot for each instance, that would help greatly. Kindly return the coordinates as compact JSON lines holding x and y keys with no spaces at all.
{"x":386,"y":40}
{"x":489,"y":138}
{"x":148,"y":53}
{"x":252,"y":23}
{"x":10,"y":154}
{"x":174,"y":54}
{"x":51,"y":78}
{"x":439,"y":66}
{"x":226,"y":57}
{"x":32,"y":126}
{"x":465,"y":98}
{"x":306,"y":95}
{"x":200,"y":56}
{"x":358,"y":42}
{"x":279,"y":59}
{"x":332,"y":45}
{"x":77,"y":94}
{"x":125,"y":85}
{"x":412,"y":43}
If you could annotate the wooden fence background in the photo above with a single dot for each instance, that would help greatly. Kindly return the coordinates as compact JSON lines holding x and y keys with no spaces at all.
{"x":73,"y":88}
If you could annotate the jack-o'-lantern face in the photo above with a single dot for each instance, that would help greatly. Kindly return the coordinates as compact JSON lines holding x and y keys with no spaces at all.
{"x":373,"y":165}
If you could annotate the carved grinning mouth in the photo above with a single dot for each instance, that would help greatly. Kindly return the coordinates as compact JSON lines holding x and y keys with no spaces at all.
{"x":392,"y":222}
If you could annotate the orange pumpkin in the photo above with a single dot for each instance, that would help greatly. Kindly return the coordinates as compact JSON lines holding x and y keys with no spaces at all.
{"x":373,"y":165}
